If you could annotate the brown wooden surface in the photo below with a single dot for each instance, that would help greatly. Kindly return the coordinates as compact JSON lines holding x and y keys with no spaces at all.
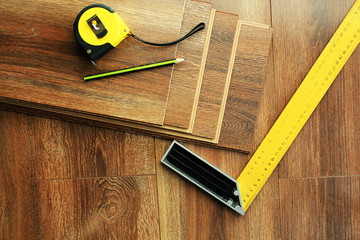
{"x":334,"y":201}
{"x":61,"y":179}
{"x":216,"y":73}
{"x":41,"y":62}
{"x":186,"y":77}
{"x":246,"y":85}
{"x":58,"y":158}
{"x":99,"y":208}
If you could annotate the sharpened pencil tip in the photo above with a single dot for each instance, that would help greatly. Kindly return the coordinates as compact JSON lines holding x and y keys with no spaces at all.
{"x":178,"y":60}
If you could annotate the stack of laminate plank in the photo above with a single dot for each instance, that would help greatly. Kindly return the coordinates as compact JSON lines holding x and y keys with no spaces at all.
{"x":212,"y":97}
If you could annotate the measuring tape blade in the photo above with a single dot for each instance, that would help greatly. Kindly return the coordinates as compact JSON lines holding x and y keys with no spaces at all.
{"x":300,"y":107}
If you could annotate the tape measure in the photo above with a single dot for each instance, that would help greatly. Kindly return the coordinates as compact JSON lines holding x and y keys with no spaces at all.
{"x":300,"y":107}
{"x":98,"y":29}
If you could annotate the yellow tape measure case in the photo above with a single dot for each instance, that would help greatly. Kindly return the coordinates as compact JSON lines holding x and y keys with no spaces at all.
{"x":98,"y":29}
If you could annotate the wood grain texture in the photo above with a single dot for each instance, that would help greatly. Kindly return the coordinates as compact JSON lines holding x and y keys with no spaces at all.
{"x":18,"y":206}
{"x":330,"y":130}
{"x":105,"y":208}
{"x":352,"y":110}
{"x":187,"y":75}
{"x":69,"y":150}
{"x":124,"y":153}
{"x":252,"y":11}
{"x":58,"y":145}
{"x":216,"y":75}
{"x":323,"y":208}
{"x":42,"y":63}
{"x":248,"y":75}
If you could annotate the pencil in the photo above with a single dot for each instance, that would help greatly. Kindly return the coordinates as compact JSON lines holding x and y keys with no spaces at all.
{"x":133,"y":69}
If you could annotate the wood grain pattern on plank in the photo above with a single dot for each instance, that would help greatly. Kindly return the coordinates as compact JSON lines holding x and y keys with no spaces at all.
{"x":332,"y":126}
{"x":216,"y":75}
{"x":18,"y":204}
{"x":125,"y":153}
{"x":71,"y":150}
{"x":252,"y":11}
{"x":102,"y":208}
{"x":58,"y":145}
{"x":323,"y":208}
{"x":42,"y":63}
{"x":187,"y":76}
{"x":352,"y":113}
{"x":242,"y":105}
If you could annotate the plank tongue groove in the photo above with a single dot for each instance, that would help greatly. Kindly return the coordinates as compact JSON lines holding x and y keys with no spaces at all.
{"x":215,"y":75}
{"x":186,"y":76}
{"x":246,"y":85}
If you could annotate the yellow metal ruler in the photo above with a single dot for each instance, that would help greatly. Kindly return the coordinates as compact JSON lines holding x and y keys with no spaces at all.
{"x":300,"y":107}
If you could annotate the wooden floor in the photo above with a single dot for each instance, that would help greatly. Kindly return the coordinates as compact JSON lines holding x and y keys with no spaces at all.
{"x":63,"y":180}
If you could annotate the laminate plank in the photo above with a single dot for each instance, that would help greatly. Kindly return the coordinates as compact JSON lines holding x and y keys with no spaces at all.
{"x":125,"y":153}
{"x":244,"y":94}
{"x":352,"y":113}
{"x":70,"y":150}
{"x":186,"y":77}
{"x":65,"y":150}
{"x":41,"y":62}
{"x":54,"y":144}
{"x":57,"y":209}
{"x":321,"y":208}
{"x":252,"y":11}
{"x":102,"y":208}
{"x":216,"y":75}
{"x":18,"y":205}
{"x":327,"y":132}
